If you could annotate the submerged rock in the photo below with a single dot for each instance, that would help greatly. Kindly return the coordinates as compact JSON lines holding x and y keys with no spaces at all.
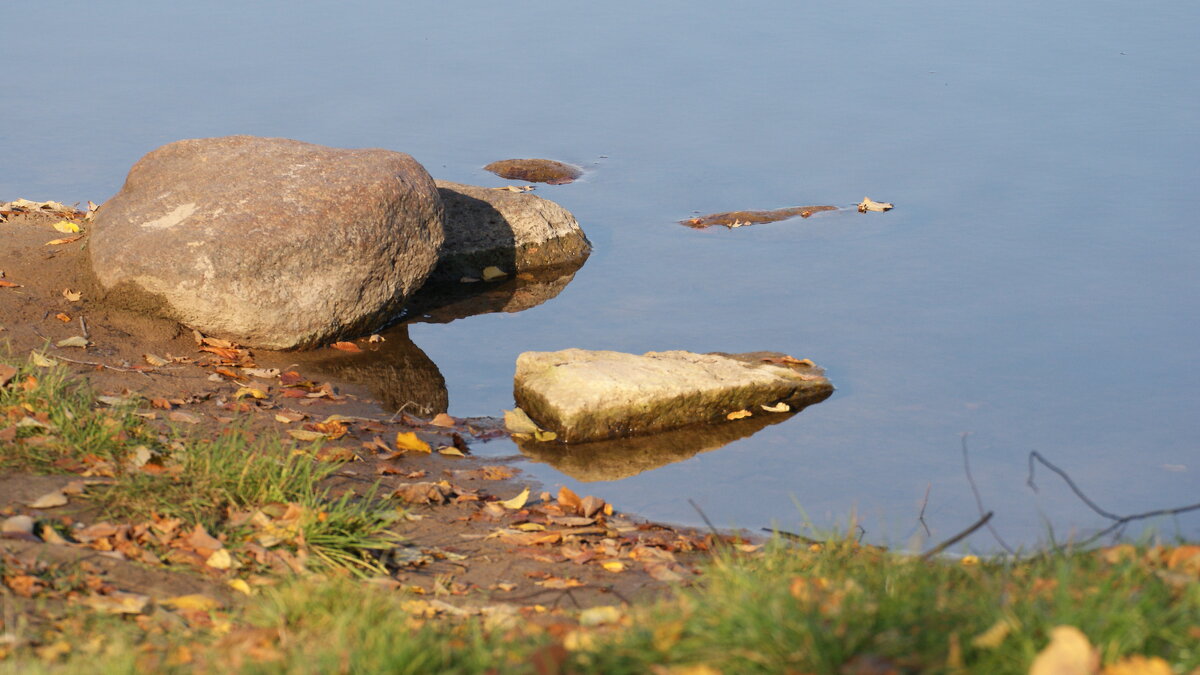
{"x":593,"y":395}
{"x":734,"y":219}
{"x":268,"y":242}
{"x":535,"y":170}
{"x":514,"y":232}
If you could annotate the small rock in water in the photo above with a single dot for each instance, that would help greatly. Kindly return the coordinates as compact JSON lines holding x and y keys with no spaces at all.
{"x":591,"y":395}
{"x":734,"y":219}
{"x":535,"y":171}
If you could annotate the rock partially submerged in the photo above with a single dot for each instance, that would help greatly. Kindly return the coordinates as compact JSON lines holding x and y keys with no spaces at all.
{"x":535,"y":170}
{"x":593,"y":395}
{"x":732,"y":219}
{"x":514,"y":232}
{"x":268,"y":242}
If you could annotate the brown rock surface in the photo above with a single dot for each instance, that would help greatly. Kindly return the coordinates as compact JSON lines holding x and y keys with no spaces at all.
{"x":512,"y":231}
{"x":535,"y":170}
{"x":268,"y":242}
{"x":593,"y":395}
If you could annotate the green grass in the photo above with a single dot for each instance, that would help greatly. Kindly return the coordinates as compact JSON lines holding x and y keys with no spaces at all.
{"x":204,"y":478}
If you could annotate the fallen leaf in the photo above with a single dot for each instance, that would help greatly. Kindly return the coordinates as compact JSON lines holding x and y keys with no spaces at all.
{"x":220,"y":560}
{"x":451,"y":451}
{"x":560,"y":583}
{"x":240,"y":586}
{"x":599,"y":615}
{"x":867,"y":204}
{"x":73,"y":341}
{"x":1069,"y":653}
{"x":739,"y":414}
{"x":8,"y":284}
{"x":543,"y":436}
{"x":118,"y":602}
{"x":7,"y":373}
{"x":305,"y":435}
{"x":262,"y":373}
{"x":194,"y":602}
{"x":180,"y":416}
{"x":156,"y":361}
{"x":64,"y":240}
{"x":613,"y":565}
{"x":42,"y":361}
{"x":71,"y":295}
{"x":780,"y":407}
{"x":517,"y":422}
{"x":443,"y":420}
{"x":516,"y":502}
{"x":492,"y":272}
{"x":65,"y":226}
{"x":49,"y":500}
{"x":408,"y":440}
{"x":994,"y":636}
{"x":251,"y":392}
{"x":336,"y":454}
{"x":1139,"y":665}
{"x":346,"y":347}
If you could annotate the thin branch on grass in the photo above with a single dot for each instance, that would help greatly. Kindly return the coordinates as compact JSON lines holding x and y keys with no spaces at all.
{"x":958,"y":537}
{"x":97,"y":364}
{"x":1119,"y":521}
{"x":978,"y":499}
{"x":792,"y":535}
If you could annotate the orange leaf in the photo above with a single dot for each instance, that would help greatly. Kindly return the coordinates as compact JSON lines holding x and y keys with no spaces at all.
{"x":346,"y":346}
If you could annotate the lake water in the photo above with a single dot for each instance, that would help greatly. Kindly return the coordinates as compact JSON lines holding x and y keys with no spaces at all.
{"x":1035,"y":286}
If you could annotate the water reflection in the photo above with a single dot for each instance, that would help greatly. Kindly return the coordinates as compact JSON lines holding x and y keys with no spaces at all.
{"x":398,"y":373}
{"x":625,"y":457}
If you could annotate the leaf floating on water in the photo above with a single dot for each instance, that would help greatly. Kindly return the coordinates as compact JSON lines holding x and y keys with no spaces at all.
{"x":442,"y":420}
{"x":450,"y":451}
{"x":493,"y":272}
{"x":734,"y":219}
{"x":739,"y":414}
{"x":535,"y":171}
{"x":867,"y":204}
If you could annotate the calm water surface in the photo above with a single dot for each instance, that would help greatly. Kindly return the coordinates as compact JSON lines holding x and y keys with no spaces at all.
{"x":1035,"y":286}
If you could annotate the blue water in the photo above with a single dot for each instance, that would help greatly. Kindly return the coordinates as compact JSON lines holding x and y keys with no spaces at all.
{"x":1036,"y":284}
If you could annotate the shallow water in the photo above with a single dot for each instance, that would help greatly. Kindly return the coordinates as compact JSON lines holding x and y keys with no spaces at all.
{"x":1035,"y":285}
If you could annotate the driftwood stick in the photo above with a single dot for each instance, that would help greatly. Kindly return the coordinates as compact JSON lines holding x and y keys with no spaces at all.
{"x":958,"y":537}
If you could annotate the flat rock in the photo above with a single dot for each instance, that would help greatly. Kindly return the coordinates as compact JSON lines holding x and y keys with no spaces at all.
{"x":593,"y":395}
{"x":513,"y":231}
{"x":535,"y":170}
{"x":268,"y":242}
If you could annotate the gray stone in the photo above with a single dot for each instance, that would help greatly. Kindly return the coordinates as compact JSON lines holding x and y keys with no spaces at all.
{"x":593,"y":395}
{"x":268,"y":242}
{"x":513,"y":231}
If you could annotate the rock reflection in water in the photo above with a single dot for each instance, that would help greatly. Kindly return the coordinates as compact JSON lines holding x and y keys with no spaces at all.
{"x":398,"y":373}
{"x":445,"y":302}
{"x":625,"y":457}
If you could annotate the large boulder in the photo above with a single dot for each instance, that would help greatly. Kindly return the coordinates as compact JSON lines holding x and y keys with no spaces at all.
{"x":514,"y":231}
{"x":268,"y":242}
{"x":592,"y":395}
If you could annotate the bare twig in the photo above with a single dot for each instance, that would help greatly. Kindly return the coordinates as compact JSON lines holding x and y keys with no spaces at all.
{"x":924,"y":503}
{"x":712,"y":528}
{"x":1119,"y":522}
{"x":792,"y":535}
{"x":978,"y":499}
{"x":83,"y":327}
{"x":958,"y":537}
{"x":97,"y":364}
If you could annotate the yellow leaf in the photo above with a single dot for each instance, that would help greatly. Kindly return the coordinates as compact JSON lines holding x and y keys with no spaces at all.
{"x":251,"y":392}
{"x":518,"y":501}
{"x":443,"y":420}
{"x":868,"y":204}
{"x":1139,"y":665}
{"x":71,"y":296}
{"x":305,"y":435}
{"x":194,"y":602}
{"x":156,"y":361}
{"x":283,"y":419}
{"x":240,"y":586}
{"x":118,"y":602}
{"x":493,"y":272}
{"x":73,"y":341}
{"x":970,"y":560}
{"x":530,"y":527}
{"x":544,"y":435}
{"x":66,"y":227}
{"x":518,"y":422}
{"x":739,"y":414}
{"x":599,"y":615}
{"x":451,"y":451}
{"x":42,"y":361}
{"x":1069,"y":653}
{"x":408,"y":440}
{"x":220,"y":560}
{"x":613,"y":565}
{"x":994,"y":636}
